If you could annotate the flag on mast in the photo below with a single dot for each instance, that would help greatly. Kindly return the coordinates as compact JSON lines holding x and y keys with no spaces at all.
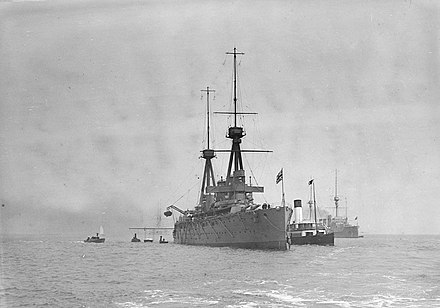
{"x":310,"y":182}
{"x":279,"y":176}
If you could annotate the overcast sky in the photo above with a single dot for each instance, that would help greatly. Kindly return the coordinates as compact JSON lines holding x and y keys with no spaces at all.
{"x":101,"y":109}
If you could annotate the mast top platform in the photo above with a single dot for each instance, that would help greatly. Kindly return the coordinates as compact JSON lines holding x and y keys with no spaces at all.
{"x":236,"y":133}
{"x":208,"y":154}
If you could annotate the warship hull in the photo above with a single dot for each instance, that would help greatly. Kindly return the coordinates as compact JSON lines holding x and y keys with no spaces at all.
{"x":257,"y":229}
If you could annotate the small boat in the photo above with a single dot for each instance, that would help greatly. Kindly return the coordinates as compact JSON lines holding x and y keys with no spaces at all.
{"x":135,"y":239}
{"x":162,"y":240}
{"x":308,"y":232}
{"x":97,"y":238}
{"x":151,"y":231}
{"x":94,"y":239}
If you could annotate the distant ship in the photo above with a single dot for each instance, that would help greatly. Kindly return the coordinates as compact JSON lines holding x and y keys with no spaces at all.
{"x":97,"y":238}
{"x":339,"y":224}
{"x":308,"y":232}
{"x":226,"y":214}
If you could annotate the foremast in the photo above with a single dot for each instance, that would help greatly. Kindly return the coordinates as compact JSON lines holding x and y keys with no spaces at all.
{"x":208,"y":154}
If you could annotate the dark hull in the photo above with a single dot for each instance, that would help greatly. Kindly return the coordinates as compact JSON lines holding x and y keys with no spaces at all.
{"x":259,"y":229}
{"x":319,"y":239}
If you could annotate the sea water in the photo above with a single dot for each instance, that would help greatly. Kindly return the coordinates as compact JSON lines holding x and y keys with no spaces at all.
{"x":374,"y":271}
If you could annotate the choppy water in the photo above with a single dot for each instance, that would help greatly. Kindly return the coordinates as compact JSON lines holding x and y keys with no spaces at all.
{"x":376,"y":271}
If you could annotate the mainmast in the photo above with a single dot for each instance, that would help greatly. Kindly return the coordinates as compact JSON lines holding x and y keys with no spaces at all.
{"x":207,"y":112}
{"x":336,"y":198}
{"x":314,"y":203}
{"x":235,"y":133}
{"x":310,"y":202}
{"x":207,"y":154}
{"x":234,"y":189}
{"x":312,"y":191}
{"x":235,"y":53}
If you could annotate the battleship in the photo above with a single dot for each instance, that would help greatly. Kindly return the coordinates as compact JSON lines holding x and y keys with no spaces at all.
{"x":226,"y":214}
{"x":339,"y":225}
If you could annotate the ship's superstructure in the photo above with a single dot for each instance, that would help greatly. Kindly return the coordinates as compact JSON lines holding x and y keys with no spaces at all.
{"x":226,"y":214}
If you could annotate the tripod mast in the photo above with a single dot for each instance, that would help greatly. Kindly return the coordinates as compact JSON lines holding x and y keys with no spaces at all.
{"x":207,"y":154}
